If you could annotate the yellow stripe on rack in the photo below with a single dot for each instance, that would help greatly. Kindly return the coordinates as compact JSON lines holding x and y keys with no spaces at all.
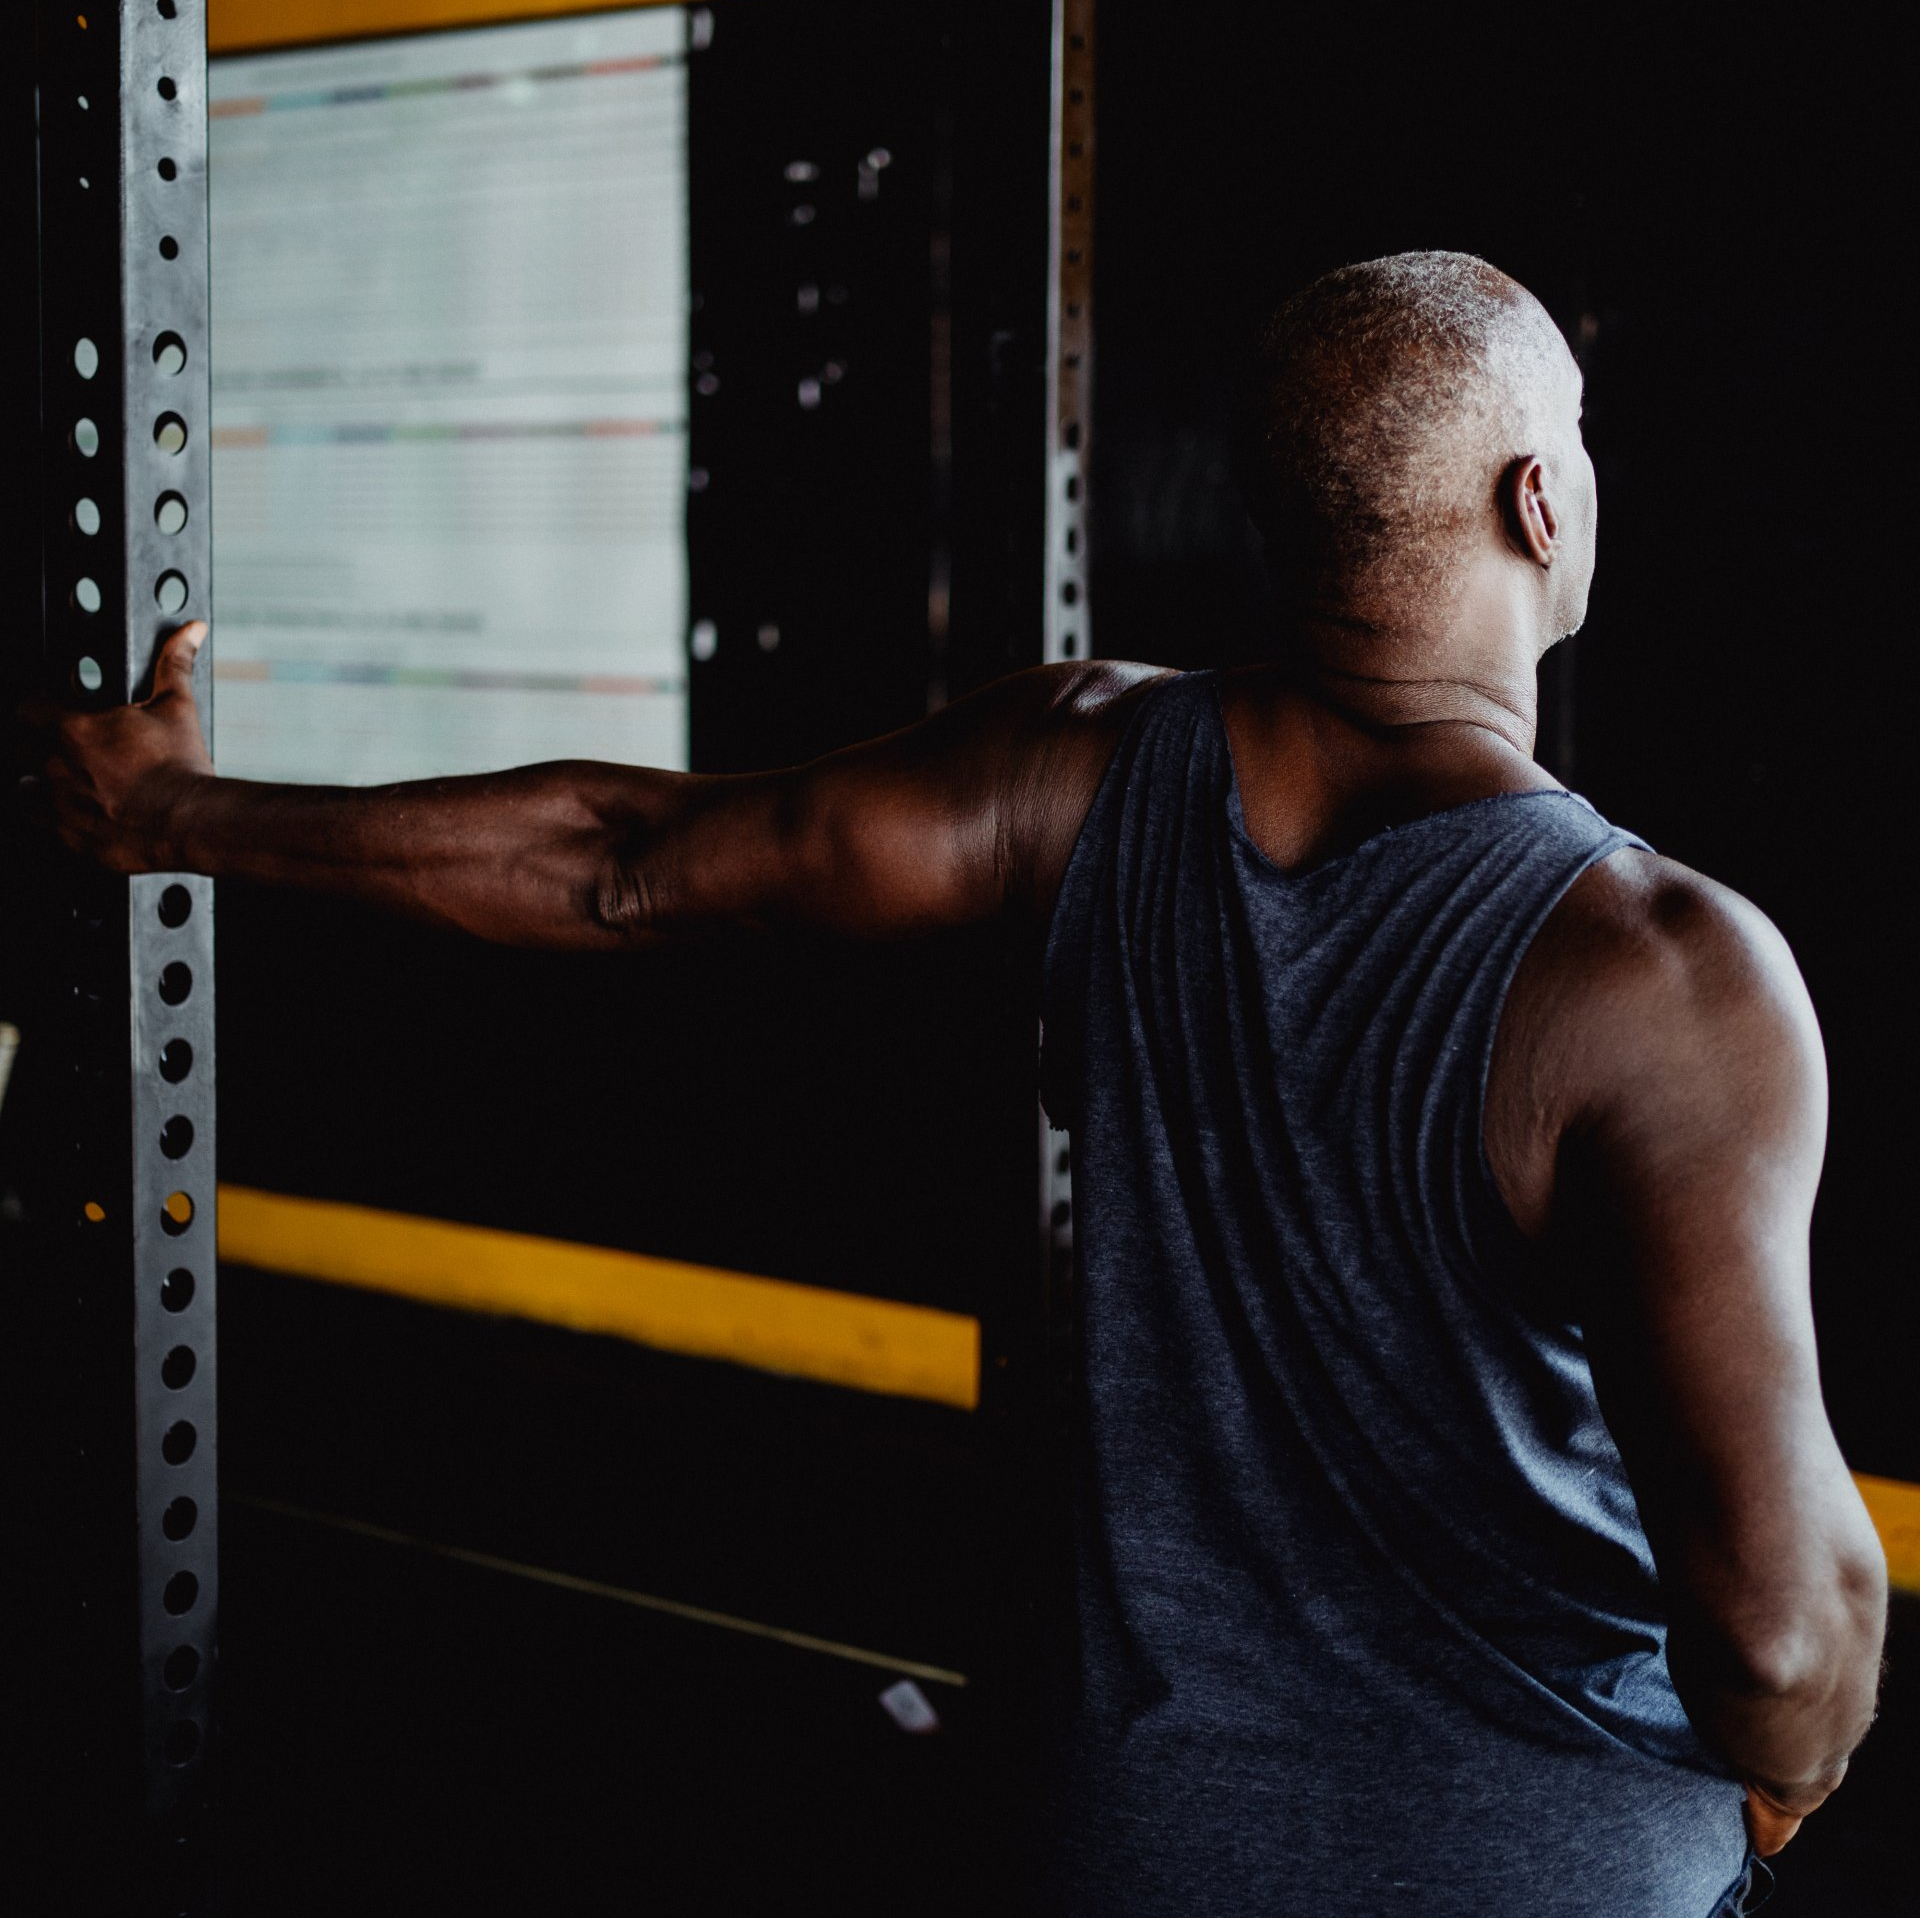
{"x":772,"y":1325}
{"x":700,"y":1311}
{"x":248,"y":25}
{"x":1894,"y":1507}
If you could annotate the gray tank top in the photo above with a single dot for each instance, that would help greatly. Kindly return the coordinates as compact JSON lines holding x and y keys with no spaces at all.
{"x":1366,"y":1619}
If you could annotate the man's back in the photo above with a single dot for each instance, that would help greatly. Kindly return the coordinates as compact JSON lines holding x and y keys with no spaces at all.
{"x":1352,"y":1534}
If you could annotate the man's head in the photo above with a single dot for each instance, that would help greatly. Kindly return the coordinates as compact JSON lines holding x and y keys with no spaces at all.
{"x":1413,"y":418}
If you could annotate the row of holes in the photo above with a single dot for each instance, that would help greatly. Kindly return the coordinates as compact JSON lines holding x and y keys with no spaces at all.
{"x":1070,"y":431}
{"x":177,"y":1445}
{"x":175,"y":986}
{"x":174,"y":909}
{"x":171,"y":590}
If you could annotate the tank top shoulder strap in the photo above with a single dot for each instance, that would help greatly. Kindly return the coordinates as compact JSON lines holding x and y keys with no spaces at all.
{"x":1174,"y":737}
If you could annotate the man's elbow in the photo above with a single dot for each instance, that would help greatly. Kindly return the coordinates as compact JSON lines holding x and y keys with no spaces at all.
{"x":621,"y":901}
{"x":1823,"y":1643}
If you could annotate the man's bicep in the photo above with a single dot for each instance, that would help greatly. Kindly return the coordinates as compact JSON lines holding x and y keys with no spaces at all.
{"x":947,"y":823}
{"x":969,"y":816}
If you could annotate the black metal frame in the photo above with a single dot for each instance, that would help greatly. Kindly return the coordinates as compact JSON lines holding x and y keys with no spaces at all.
{"x":121,"y":1022}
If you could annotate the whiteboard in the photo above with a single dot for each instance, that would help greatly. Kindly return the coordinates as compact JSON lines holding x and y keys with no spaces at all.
{"x":449,"y":360}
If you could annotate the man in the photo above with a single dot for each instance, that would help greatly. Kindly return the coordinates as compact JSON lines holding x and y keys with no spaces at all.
{"x":1458,"y":1524}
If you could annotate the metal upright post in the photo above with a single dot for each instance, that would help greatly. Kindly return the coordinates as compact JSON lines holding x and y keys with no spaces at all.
{"x":125,"y":1219}
{"x":1066,"y":628}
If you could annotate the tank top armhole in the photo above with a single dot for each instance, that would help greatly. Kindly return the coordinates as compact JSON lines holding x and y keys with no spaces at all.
{"x":1500,"y":1251}
{"x":1064,"y":953}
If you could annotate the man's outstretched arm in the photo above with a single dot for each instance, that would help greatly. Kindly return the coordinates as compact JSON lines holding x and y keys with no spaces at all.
{"x":1685,"y":1189}
{"x":968,"y":816}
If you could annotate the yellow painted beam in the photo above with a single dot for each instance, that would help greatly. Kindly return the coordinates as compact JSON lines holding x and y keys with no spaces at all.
{"x":772,"y":1325}
{"x":235,"y":26}
{"x":1894,"y":1507}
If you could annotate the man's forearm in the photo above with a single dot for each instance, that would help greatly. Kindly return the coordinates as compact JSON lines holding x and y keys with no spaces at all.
{"x":521,"y":857}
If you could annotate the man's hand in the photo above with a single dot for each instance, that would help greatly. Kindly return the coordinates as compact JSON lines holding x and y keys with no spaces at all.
{"x":1769,"y":1824}
{"x":114,"y":777}
{"x":1775,"y":1813}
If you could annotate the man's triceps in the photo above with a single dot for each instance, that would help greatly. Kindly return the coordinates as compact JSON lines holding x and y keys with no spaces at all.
{"x":1685,"y":1210}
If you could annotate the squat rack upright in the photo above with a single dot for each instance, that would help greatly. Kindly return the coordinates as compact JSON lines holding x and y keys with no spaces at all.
{"x":111,"y":1202}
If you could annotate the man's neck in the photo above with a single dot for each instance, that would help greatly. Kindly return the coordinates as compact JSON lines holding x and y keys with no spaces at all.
{"x":1472,"y":664}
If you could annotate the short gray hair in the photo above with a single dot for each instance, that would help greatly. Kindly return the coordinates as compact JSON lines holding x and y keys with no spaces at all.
{"x":1388,"y":398}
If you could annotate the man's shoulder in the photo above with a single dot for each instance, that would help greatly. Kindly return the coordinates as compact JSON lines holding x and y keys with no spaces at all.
{"x":1655,"y":1005}
{"x":1645,"y":929}
{"x":1647,"y":970}
{"x":1092,"y":691}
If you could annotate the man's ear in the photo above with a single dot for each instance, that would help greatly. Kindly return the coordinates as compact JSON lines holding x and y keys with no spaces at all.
{"x":1527,"y":508}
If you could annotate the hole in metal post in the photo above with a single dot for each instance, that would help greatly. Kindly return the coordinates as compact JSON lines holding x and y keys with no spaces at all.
{"x":176,"y":906}
{"x":86,"y":594}
{"x":170,"y":592}
{"x":165,"y":8}
{"x":178,"y":1521}
{"x":176,"y":1289}
{"x":183,"y":1740}
{"x":88,"y":676}
{"x":167,"y":170}
{"x":182,"y":1668}
{"x":93,"y":1212}
{"x":170,"y":433}
{"x":177,"y":1446}
{"x":176,"y":981}
{"x":170,"y":353}
{"x":86,"y":438}
{"x":176,"y":1136}
{"x":176,"y":1061}
{"x":170,"y":512}
{"x":86,"y":517}
{"x":176,"y":1214}
{"x":182,"y":1589}
{"x":169,"y":247}
{"x":86,"y":358}
{"x":176,"y":1369}
{"x":167,"y":90}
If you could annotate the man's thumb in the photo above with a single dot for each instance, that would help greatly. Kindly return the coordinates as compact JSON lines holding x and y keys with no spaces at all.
{"x":173,"y":669}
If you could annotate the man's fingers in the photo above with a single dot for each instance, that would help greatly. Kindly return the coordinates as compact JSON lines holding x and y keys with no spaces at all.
{"x":173,"y":666}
